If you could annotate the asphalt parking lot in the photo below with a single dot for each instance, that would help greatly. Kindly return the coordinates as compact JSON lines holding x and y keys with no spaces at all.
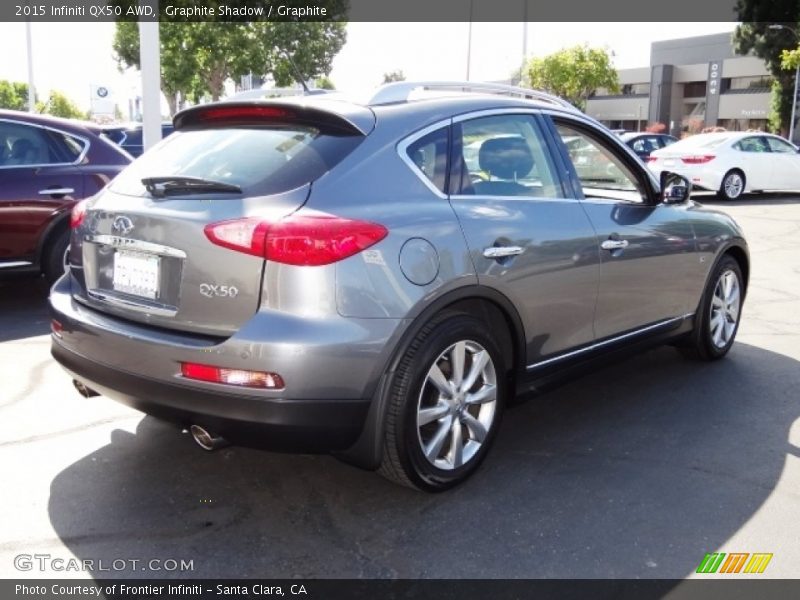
{"x":636,"y":470}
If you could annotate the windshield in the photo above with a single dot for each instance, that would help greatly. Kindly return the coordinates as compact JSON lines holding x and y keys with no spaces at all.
{"x":258,"y":160}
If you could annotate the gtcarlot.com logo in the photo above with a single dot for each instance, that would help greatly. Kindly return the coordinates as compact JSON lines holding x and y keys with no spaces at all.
{"x":736,"y":562}
{"x":48,"y":562}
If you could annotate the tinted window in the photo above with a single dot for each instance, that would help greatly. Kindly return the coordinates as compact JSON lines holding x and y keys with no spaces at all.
{"x":504,"y":156}
{"x":259,"y":160}
{"x":429,"y":155}
{"x":601,"y":173}
{"x":777,"y":145}
{"x":23,"y":145}
{"x":752,"y":144}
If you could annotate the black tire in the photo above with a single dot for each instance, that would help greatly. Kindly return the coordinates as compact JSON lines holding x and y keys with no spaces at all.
{"x":728,"y":187}
{"x":700,"y":344}
{"x":54,"y":256}
{"x":404,"y":460}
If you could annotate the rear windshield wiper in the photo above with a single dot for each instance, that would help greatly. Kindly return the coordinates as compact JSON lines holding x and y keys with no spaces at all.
{"x":172,"y":185}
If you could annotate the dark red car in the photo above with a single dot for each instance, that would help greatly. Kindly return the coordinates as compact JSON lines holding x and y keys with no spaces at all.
{"x":46,"y":166}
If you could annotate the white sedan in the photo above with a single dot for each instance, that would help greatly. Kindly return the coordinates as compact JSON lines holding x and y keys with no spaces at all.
{"x":732,"y":163}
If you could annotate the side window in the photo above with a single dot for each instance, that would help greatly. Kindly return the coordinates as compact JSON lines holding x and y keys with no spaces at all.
{"x":503,"y":155}
{"x":22,"y":145}
{"x":777,"y":145}
{"x":666,"y":140}
{"x":429,"y":155}
{"x":752,"y":144}
{"x":64,"y":148}
{"x":601,"y":173}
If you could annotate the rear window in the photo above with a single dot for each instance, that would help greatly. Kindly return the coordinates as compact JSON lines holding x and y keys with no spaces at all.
{"x":260,"y":160}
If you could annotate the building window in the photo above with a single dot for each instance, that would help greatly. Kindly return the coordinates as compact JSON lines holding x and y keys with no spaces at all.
{"x":694,"y":89}
{"x":758,"y":84}
{"x":633,"y":89}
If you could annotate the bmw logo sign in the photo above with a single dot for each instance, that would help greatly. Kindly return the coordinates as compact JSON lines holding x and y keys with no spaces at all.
{"x":102,"y":92}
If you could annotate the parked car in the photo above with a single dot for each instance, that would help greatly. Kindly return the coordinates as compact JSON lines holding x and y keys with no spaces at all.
{"x":643,"y":143}
{"x":318,"y":275}
{"x":129,"y":137}
{"x":732,"y":163}
{"x":46,"y":166}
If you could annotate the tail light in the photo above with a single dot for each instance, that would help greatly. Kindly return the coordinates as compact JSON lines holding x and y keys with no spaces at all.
{"x":651,"y":159}
{"x":301,"y":240}
{"x":240,"y":377}
{"x":78,"y":214}
{"x":697,"y":160}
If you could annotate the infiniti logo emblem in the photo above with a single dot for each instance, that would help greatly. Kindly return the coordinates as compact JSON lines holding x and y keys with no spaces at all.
{"x":122,"y":225}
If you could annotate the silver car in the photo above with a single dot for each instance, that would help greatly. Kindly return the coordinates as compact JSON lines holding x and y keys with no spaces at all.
{"x":318,"y":274}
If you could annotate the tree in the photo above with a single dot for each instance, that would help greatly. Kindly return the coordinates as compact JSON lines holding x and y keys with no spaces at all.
{"x":396,"y":75}
{"x":13,"y":95}
{"x":197,"y":58}
{"x":754,"y":35}
{"x":573,"y":73}
{"x":324,"y":83}
{"x":59,"y":105}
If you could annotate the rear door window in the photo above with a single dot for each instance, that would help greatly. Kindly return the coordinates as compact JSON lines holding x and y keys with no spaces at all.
{"x":503,"y":155}
{"x":259,"y":160}
{"x":24,"y":145}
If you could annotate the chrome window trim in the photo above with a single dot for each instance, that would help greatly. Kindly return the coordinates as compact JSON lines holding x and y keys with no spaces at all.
{"x":507,"y":198}
{"x":598,"y":345}
{"x":77,"y":161}
{"x":132,"y":244}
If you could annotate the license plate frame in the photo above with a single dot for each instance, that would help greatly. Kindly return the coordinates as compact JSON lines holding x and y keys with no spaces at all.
{"x":137,"y":274}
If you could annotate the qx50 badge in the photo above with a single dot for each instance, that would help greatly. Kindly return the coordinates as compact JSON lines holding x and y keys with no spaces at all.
{"x":210,"y":290}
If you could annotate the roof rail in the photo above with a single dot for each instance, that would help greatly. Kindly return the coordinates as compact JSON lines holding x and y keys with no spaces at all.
{"x":401,"y":90}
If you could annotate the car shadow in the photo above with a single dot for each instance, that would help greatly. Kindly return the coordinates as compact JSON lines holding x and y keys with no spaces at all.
{"x":636,"y":470}
{"x":765,"y":199}
{"x":24,"y":311}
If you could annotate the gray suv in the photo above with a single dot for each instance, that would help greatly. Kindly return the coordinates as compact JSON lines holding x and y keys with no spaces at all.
{"x":379,"y":279}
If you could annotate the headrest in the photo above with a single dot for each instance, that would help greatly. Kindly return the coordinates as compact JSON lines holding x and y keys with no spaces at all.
{"x":21,"y":147}
{"x":506,"y":158}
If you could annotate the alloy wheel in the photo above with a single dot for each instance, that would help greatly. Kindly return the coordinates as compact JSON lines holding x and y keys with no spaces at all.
{"x":734,"y":184}
{"x":457,"y":404}
{"x":725,"y":305}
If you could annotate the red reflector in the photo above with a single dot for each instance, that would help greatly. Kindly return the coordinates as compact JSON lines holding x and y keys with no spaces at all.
{"x":697,"y":160}
{"x":240,"y":377}
{"x":56,"y":327}
{"x":78,"y":213}
{"x":244,"y":112}
{"x":301,"y":240}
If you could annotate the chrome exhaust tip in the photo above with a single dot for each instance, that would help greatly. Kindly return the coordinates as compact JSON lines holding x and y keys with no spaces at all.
{"x":83,"y":390}
{"x":207,"y":440}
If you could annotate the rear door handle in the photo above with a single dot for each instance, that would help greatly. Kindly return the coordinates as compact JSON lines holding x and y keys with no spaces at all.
{"x":614,"y":244}
{"x":503,"y":251}
{"x":62,"y":191}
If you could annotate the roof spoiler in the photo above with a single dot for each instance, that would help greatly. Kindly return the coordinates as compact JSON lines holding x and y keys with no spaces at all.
{"x":255,"y":112}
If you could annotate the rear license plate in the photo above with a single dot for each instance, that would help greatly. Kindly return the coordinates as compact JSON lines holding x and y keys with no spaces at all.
{"x":136,"y":273}
{"x":669,"y":163}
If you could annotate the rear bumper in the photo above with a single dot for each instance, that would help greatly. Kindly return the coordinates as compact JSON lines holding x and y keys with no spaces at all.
{"x":331,"y":367}
{"x":273,"y":423}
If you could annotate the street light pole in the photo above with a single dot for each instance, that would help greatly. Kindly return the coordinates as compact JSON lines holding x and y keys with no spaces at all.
{"x":796,"y":77}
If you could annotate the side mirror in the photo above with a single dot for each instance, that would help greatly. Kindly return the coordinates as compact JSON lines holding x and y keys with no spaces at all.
{"x":674,"y":188}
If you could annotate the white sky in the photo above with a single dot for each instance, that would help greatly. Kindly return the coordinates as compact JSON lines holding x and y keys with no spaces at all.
{"x":72,"y":56}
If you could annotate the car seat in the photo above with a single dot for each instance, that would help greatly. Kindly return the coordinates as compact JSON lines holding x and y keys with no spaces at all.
{"x":506,"y":159}
{"x":23,"y":152}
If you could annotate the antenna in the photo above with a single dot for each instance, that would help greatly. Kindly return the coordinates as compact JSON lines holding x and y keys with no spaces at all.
{"x":297,"y":74}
